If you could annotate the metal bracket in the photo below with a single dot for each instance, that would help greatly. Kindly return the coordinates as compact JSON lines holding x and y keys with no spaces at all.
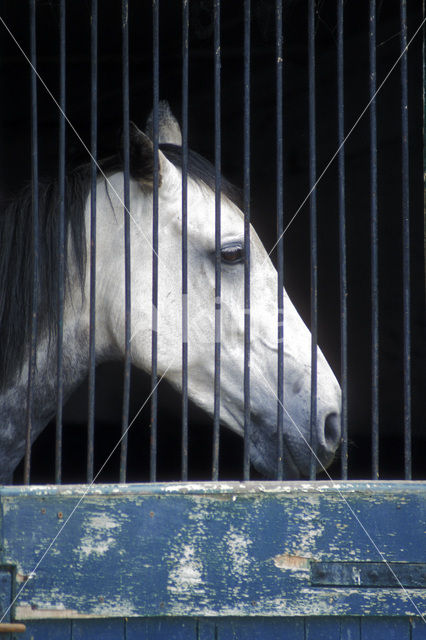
{"x":411,"y":575}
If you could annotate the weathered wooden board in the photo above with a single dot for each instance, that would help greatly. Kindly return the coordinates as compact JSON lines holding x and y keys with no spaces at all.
{"x":324,"y":628}
{"x":209,"y":549}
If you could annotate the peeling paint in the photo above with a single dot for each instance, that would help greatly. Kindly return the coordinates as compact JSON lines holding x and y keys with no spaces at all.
{"x":186,"y":575}
{"x":96,"y":539}
{"x":26,"y":612}
{"x":238,"y":548}
{"x":285,"y":561}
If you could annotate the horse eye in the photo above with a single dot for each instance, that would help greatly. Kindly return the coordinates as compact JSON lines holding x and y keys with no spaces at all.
{"x":232,"y":254}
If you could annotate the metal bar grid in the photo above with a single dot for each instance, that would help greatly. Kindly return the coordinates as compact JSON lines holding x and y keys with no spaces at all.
{"x":154,"y":338}
{"x":36,"y":242}
{"x":127,"y":257}
{"x":374,"y":247}
{"x":313,"y":231}
{"x":61,"y":242}
{"x":218,"y":279}
{"x":280,"y":225}
{"x":185,"y":81}
{"x":93,"y":183}
{"x":342,"y":237}
{"x":280,"y":234}
{"x":405,"y":181}
{"x":246,"y":207}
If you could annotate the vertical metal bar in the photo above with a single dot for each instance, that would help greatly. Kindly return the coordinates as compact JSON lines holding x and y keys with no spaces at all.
{"x":93,"y":181}
{"x":185,"y":53}
{"x":218,"y":230}
{"x":246,"y":196}
{"x":154,"y":353}
{"x":342,"y":237}
{"x":406,"y":242}
{"x":313,"y":232}
{"x":424,"y":138}
{"x":61,"y":241}
{"x":374,"y":249}
{"x":36,"y":242}
{"x":126,"y":214}
{"x":280,"y":232}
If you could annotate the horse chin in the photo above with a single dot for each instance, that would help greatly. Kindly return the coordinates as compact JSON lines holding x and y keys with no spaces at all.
{"x":268,"y":467}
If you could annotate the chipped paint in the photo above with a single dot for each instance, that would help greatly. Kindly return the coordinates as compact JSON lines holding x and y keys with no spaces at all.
{"x":197,"y":487}
{"x":285,"y":561}
{"x":186,"y":574}
{"x":238,"y":546}
{"x":96,"y":539}
{"x":27,"y":612}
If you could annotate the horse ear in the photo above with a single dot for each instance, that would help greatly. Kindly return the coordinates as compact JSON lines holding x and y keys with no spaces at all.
{"x":168,"y":127}
{"x":141,"y":156}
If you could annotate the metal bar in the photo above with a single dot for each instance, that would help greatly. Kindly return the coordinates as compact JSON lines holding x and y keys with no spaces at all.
{"x":61,"y":241}
{"x":154,"y":352}
{"x":185,"y":54}
{"x":93,"y":181}
{"x":342,"y":237}
{"x":424,"y":139}
{"x":405,"y":243}
{"x":218,"y":282}
{"x":36,"y":241}
{"x":374,"y":250}
{"x":246,"y":196}
{"x":313,"y":232}
{"x":127,"y":275}
{"x":280,"y":233}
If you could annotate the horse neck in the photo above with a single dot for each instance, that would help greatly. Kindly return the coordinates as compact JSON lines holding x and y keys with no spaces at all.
{"x":14,"y":401}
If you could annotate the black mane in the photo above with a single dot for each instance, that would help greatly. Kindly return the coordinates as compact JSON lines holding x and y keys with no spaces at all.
{"x":16,"y":264}
{"x":16,"y":252}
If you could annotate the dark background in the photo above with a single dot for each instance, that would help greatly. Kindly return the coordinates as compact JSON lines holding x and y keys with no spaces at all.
{"x":15,"y":170}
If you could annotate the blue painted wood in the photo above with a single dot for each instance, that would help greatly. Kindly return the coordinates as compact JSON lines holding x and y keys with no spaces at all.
{"x":286,"y":628}
{"x":208,"y":549}
{"x":161,"y":629}
{"x":260,"y":629}
{"x":418,"y":629}
{"x":206,"y":629}
{"x":5,"y":592}
{"x":326,"y":628}
{"x":373,"y":628}
{"x":350,"y":629}
{"x":47,"y":630}
{"x":102,"y":629}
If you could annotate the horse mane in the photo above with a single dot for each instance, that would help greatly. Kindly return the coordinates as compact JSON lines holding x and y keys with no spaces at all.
{"x":16,"y":264}
{"x":17,"y":246}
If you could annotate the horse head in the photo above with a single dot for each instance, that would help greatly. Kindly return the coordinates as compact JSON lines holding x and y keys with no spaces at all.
{"x":201,"y":304}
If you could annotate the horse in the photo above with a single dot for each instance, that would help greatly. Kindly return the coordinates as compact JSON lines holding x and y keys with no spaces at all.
{"x":16,"y":278}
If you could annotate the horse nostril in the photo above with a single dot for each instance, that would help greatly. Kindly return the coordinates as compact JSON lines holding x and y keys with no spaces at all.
{"x":332,"y":431}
